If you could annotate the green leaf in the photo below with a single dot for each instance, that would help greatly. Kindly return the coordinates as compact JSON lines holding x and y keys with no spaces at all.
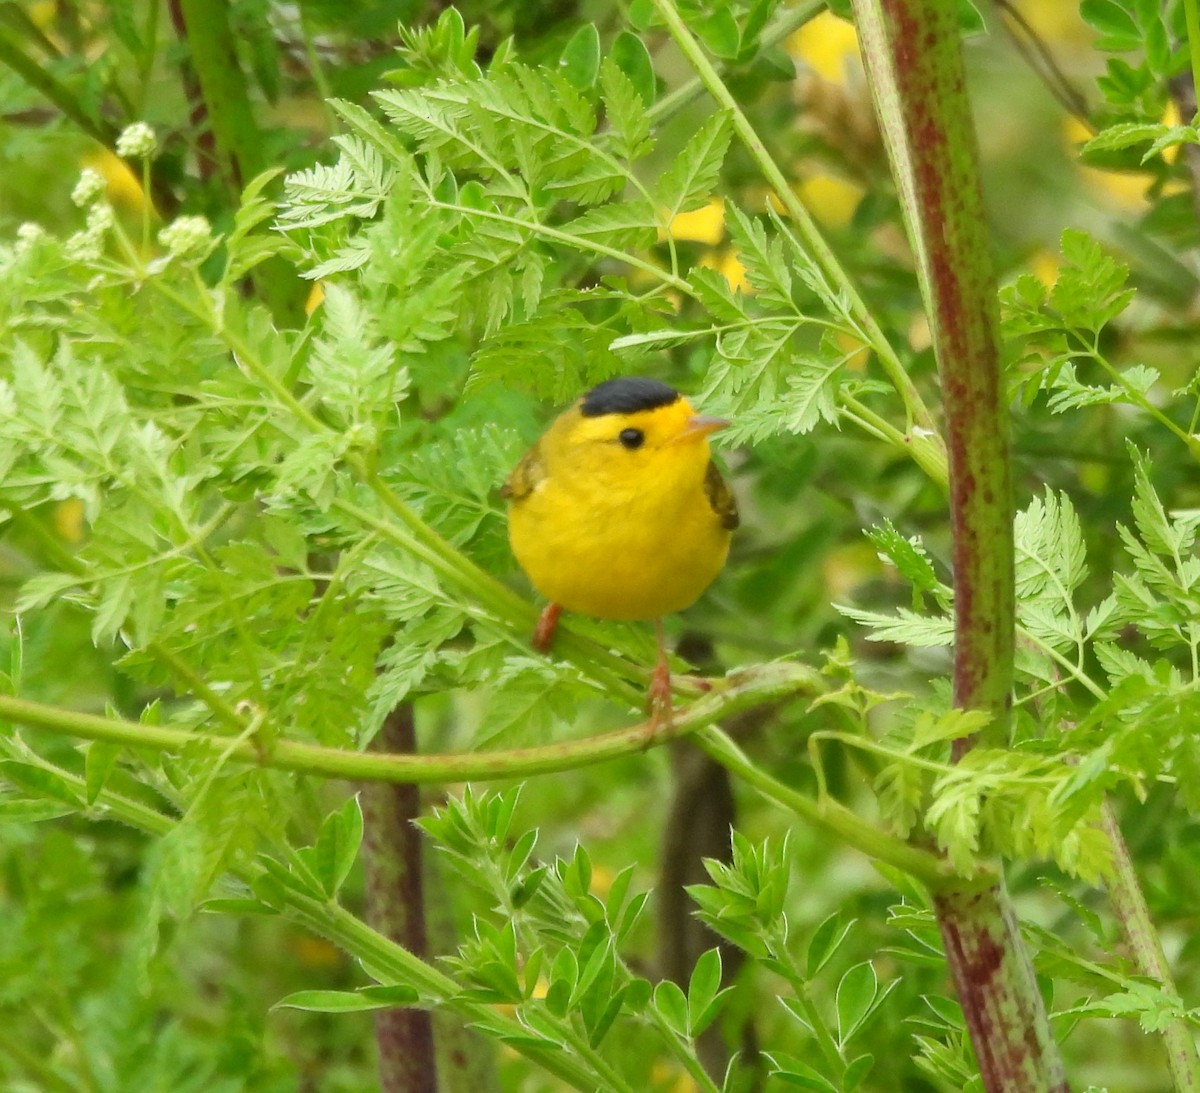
{"x":719,"y":32}
{"x":1117,"y":30}
{"x":40,"y":781}
{"x":689,"y":182}
{"x":630,"y":55}
{"x":337,"y":846}
{"x":911,"y":560}
{"x":16,"y":810}
{"x":580,"y":58}
{"x":827,"y":938}
{"x":671,"y":1004}
{"x":360,"y":1001}
{"x":855,"y":999}
{"x":704,"y":990}
{"x":625,"y":108}
{"x":763,"y":257}
{"x":100,"y":759}
{"x":792,"y":1071}
{"x":857,"y":1071}
{"x":951,"y":725}
{"x":1089,"y":291}
{"x":905,"y":627}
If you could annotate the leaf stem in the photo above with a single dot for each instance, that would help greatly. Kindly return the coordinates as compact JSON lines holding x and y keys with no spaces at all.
{"x":754,"y":687}
{"x":833,"y":817}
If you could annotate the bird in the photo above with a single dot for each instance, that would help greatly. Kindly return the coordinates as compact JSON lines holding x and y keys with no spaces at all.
{"x":619,"y":512}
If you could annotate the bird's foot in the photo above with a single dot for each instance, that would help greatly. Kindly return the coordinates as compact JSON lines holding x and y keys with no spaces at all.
{"x":543,"y":633}
{"x":659,"y":701}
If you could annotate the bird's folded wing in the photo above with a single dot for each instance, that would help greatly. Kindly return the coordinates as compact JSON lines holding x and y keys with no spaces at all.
{"x":525,"y":476}
{"x":719,"y":495}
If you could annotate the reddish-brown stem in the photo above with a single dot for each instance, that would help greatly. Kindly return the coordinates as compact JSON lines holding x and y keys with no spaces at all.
{"x":395,"y":908}
{"x":911,"y":49}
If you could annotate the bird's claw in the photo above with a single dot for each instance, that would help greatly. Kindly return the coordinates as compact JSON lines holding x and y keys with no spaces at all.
{"x":543,"y":633}
{"x":659,"y":701}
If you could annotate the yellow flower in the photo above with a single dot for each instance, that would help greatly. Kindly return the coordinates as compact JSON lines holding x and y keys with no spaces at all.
{"x":824,"y":44}
{"x":705,"y":225}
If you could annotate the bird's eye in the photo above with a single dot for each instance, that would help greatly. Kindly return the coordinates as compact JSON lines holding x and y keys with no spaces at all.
{"x":631,"y":438}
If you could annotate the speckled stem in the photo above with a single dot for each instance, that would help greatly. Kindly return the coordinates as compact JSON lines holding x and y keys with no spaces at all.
{"x":395,"y":908}
{"x":911,"y":50}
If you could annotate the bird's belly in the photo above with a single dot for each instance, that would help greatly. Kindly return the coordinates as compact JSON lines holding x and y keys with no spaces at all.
{"x":636,"y":560}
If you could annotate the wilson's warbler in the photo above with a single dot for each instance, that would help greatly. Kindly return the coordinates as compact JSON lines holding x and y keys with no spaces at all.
{"x":619,"y":512}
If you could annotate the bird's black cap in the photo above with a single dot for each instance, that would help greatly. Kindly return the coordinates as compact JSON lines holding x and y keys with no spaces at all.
{"x":626,"y":395}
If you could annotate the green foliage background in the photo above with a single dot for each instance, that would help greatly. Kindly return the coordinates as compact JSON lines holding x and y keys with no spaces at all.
{"x":237,"y":509}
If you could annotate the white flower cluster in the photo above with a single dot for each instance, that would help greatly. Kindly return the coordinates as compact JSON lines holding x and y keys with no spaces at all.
{"x":28,"y":235}
{"x":137,"y":141}
{"x":88,"y":245}
{"x":186,"y":237}
{"x":90,"y":186}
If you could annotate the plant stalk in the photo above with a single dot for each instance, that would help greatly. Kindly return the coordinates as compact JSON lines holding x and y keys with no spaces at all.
{"x":914,"y":64}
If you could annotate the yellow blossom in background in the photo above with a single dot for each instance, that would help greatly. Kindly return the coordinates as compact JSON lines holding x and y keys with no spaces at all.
{"x":1044,"y":265}
{"x":661,"y":1075}
{"x":124,"y":187}
{"x":705,"y":225}
{"x":1171,"y":116}
{"x":315,"y":295}
{"x":1058,"y":23}
{"x":854,"y":348}
{"x":68,"y":520}
{"x":727,"y":263}
{"x":832,"y":200}
{"x":920,"y":337}
{"x":316,"y":952}
{"x":1126,"y":188}
{"x":823,"y":44}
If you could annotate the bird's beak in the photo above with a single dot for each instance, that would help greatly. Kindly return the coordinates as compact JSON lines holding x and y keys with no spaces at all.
{"x":696,"y":428}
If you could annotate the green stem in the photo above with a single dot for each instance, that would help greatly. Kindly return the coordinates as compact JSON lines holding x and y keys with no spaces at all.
{"x":1140,"y":400}
{"x":387,"y":960}
{"x":1007,"y":1020}
{"x":224,"y":712}
{"x":834,"y":818}
{"x":928,"y":452}
{"x":790,"y":20}
{"x":40,"y":79}
{"x":914,"y":64}
{"x":755,"y":687}
{"x":574,"y":242}
{"x":684,"y":1053}
{"x":393,"y":962}
{"x":1129,"y":905}
{"x":825,"y":1040}
{"x":212,"y":47}
{"x":814,"y":243}
{"x":1191,"y":14}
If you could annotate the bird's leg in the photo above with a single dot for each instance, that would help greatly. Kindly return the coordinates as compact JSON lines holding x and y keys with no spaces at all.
{"x":658,"y":698}
{"x":543,"y":633}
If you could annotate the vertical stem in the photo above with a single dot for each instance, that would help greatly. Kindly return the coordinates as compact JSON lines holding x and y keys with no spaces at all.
{"x":911,"y":52}
{"x":395,"y":908}
{"x":1129,"y":905}
{"x":210,"y":41}
{"x":236,"y":138}
{"x":996,"y":986}
{"x":914,"y":63}
{"x":1191,"y":15}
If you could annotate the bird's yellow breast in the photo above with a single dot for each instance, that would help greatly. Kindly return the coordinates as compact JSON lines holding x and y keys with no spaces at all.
{"x":615,"y":533}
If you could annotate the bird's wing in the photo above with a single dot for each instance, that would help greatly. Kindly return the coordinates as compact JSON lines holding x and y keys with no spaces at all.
{"x":720,"y":497}
{"x":525,"y":476}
